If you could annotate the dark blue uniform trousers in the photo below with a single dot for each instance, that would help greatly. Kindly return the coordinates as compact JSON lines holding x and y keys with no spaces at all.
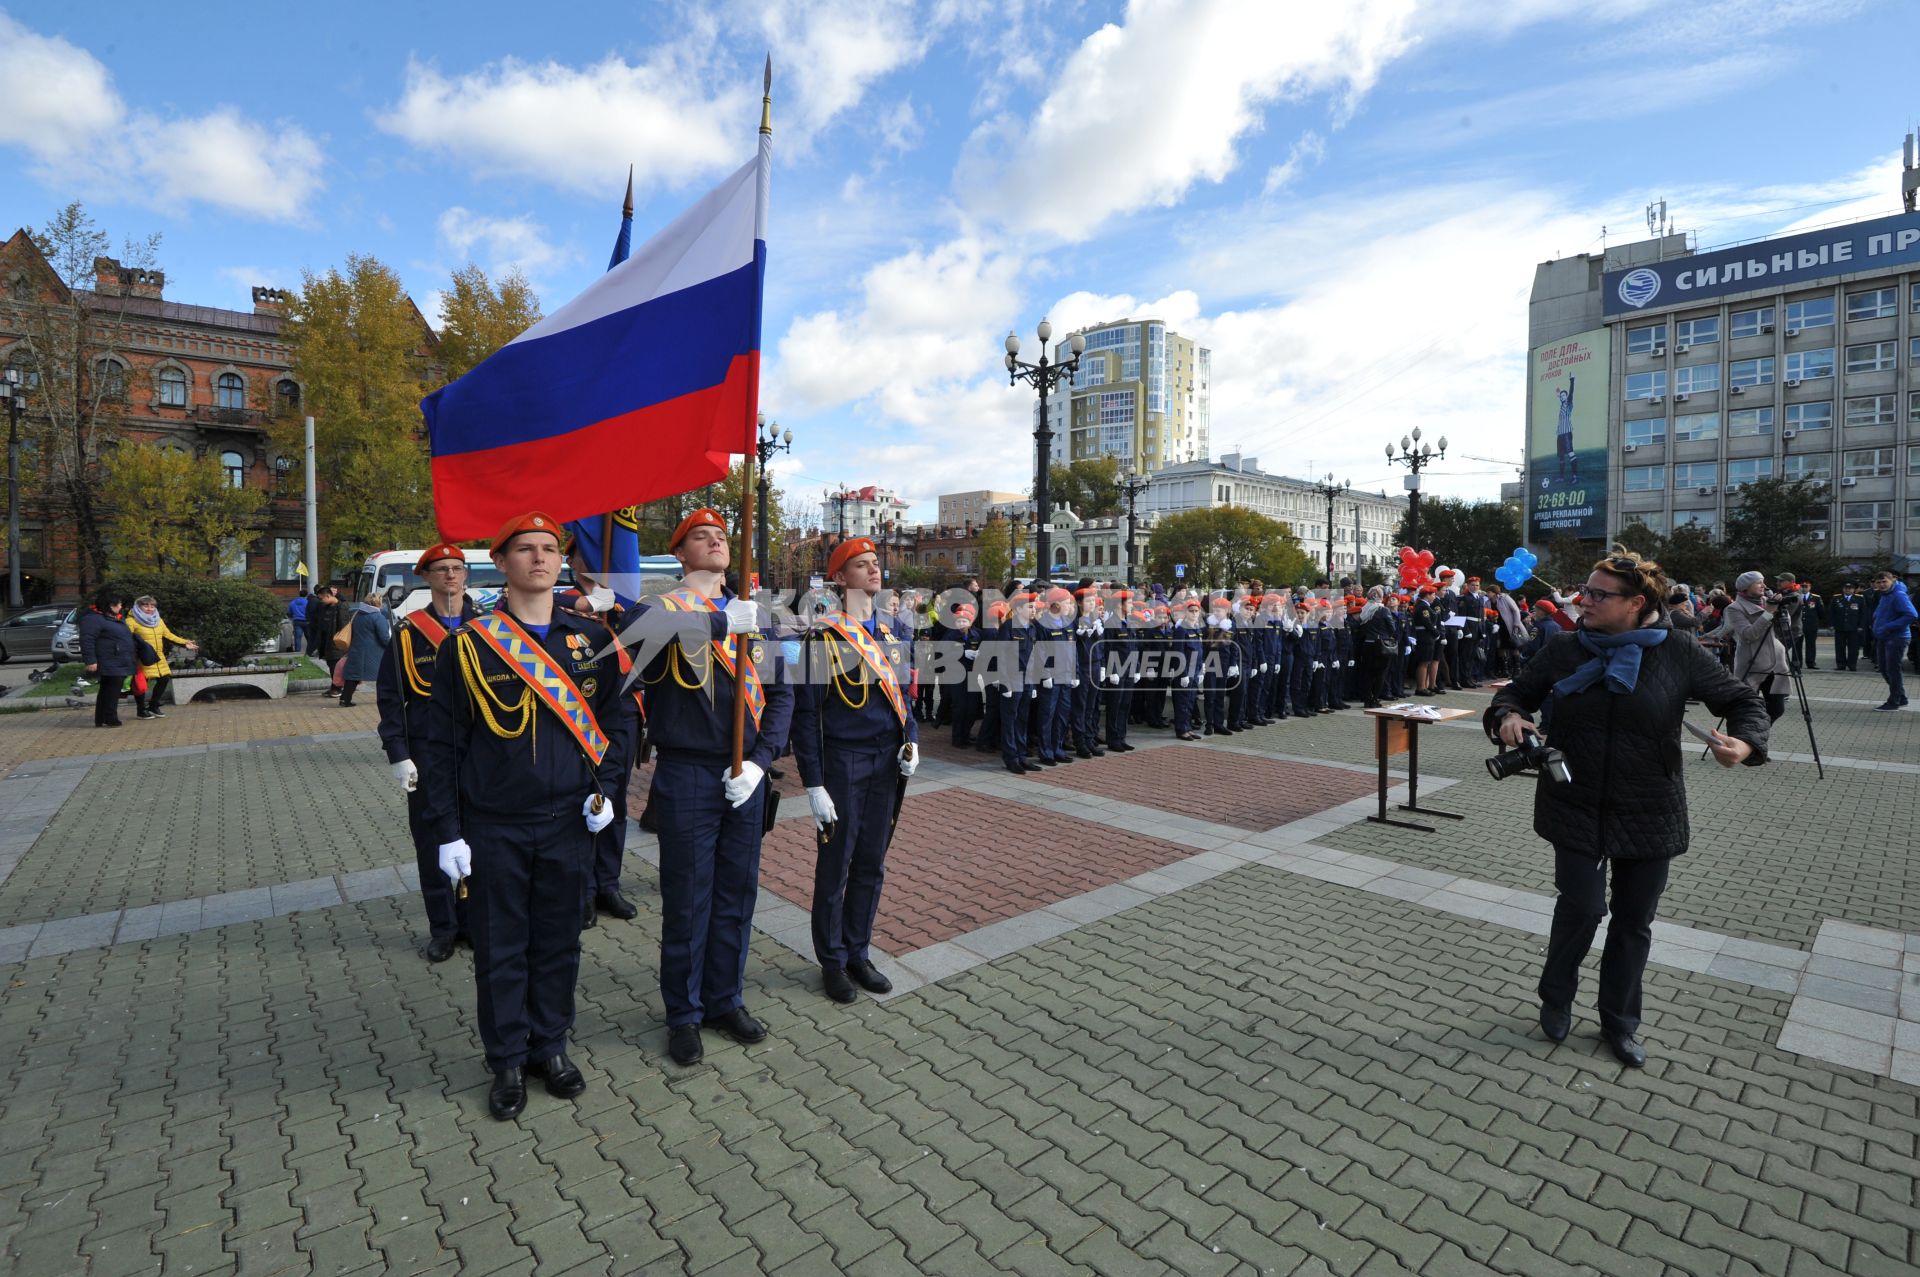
{"x":610,"y":844}
{"x":1013,"y":722}
{"x":848,"y":871}
{"x":523,"y":912}
{"x":709,"y":877}
{"x":446,"y":915}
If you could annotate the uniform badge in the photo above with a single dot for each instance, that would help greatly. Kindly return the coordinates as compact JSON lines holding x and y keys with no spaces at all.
{"x":588,"y":686}
{"x":759,"y":653}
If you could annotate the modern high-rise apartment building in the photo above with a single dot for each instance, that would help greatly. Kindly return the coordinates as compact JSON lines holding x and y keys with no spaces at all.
{"x":1142,"y":394}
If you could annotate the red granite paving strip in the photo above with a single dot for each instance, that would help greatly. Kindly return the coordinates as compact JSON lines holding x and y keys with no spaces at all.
{"x":956,"y":865}
{"x":1212,"y":784}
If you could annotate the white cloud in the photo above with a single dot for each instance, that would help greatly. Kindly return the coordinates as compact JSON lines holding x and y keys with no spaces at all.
{"x":828,"y":53}
{"x":1144,"y":110}
{"x":500,"y":243}
{"x":1311,"y":148}
{"x":62,"y":108}
{"x":576,"y":127}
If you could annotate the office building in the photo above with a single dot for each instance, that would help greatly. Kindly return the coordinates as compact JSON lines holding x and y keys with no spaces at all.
{"x":1363,"y":523}
{"x":1143,"y":394}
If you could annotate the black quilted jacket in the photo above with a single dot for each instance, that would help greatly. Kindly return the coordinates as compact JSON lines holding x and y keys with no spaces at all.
{"x":1628,"y":796}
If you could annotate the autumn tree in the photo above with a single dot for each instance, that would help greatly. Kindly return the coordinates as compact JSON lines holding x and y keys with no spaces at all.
{"x":477,"y":317}
{"x":70,"y":354}
{"x":1090,"y":487}
{"x":172,"y":510}
{"x":1475,"y":536}
{"x":1224,"y":544}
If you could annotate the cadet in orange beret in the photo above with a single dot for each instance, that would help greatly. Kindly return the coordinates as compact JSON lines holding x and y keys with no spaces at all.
{"x":404,"y":691}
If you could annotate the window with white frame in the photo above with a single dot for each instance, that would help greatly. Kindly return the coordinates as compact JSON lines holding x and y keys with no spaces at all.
{"x":1750,"y":372}
{"x":1867,"y":463}
{"x":1693,"y":426}
{"x":1748,"y":469}
{"x":1751,"y":323}
{"x":1646,"y":385}
{"x":1866,"y":516}
{"x":1697,"y":332}
{"x":1805,"y":365}
{"x":1810,"y":465}
{"x":1913,"y":462}
{"x":1913,"y":350}
{"x":1654,"y":521}
{"x":1874,"y":303}
{"x":1870,"y":410}
{"x":1815,"y":312}
{"x":233,"y":558}
{"x":1810,"y":416}
{"x":1744,"y":423}
{"x":1870,"y":356}
{"x":1641,"y":341}
{"x":110,"y":379}
{"x":1913,"y":516}
{"x":286,"y":558}
{"x":1696,"y":474}
{"x":1643,"y":478}
{"x":1696,"y":379}
{"x":173,"y":388}
{"x":1647,"y":430}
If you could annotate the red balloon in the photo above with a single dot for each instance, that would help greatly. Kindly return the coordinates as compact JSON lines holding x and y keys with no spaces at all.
{"x":1406,"y":554}
{"x":1424,"y":559}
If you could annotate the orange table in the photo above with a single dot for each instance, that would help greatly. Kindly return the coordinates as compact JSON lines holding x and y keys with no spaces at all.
{"x":1397,"y":732}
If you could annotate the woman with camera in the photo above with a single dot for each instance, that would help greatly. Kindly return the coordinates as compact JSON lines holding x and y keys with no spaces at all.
{"x":1618,"y":688}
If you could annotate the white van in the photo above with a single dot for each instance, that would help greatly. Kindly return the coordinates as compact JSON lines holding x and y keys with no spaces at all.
{"x":391,"y":573}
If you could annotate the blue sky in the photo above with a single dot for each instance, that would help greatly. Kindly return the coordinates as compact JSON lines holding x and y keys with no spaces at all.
{"x":1344,"y":199}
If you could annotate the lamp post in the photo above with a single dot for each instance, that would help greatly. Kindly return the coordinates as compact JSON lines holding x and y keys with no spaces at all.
{"x":16,"y":396}
{"x":771,"y":439}
{"x":1415,"y":456}
{"x":1044,"y":377}
{"x":1329,"y":489}
{"x":1133,"y":484}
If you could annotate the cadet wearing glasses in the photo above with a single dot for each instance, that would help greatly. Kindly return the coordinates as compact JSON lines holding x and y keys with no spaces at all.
{"x":1617,"y":690}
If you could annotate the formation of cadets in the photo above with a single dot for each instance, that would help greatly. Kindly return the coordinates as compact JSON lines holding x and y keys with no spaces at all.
{"x":514,"y":734}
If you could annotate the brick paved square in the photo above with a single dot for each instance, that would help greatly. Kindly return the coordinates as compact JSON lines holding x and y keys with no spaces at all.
{"x":961,"y":860}
{"x":1210,"y":784}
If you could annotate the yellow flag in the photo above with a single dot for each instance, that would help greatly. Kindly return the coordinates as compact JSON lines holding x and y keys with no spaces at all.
{"x":301,"y":569}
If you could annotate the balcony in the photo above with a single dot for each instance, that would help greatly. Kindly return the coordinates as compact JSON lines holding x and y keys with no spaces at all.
{"x":229,"y":418}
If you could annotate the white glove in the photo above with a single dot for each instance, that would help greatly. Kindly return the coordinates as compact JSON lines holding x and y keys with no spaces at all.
{"x":1006,"y":691}
{"x":909,"y":760}
{"x":1074,"y":683}
{"x":1226,"y":622}
{"x":406,"y":774}
{"x":967,"y":654}
{"x":1233,"y":671}
{"x":597,"y":820}
{"x":740,"y":788}
{"x":1133,"y":678}
{"x":1047,"y":683}
{"x":456,"y":859}
{"x":1213,"y":622}
{"x":1263,"y":667}
{"x":1099,"y":676}
{"x":1317,"y":665}
{"x":742,"y":618}
{"x":822,"y":804}
{"x":1033,"y":693}
{"x":1349,"y":664}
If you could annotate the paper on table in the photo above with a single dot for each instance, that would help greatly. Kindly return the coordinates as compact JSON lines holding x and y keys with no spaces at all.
{"x":1456,"y":622}
{"x":1416,"y":711}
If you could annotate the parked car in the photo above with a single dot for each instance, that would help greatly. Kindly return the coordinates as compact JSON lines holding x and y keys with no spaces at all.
{"x":30,"y":635}
{"x":66,"y":639}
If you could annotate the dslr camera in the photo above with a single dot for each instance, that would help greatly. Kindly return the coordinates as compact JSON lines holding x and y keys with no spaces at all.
{"x":1531,"y":755}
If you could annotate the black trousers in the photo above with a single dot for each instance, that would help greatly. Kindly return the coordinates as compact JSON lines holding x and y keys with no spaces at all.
{"x":106,"y":700}
{"x":1846,"y":648}
{"x":523,"y":914}
{"x":1582,"y":883}
{"x":446,"y":913}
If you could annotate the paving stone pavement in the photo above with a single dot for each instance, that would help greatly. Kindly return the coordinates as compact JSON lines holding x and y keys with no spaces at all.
{"x":1261,"y":1069}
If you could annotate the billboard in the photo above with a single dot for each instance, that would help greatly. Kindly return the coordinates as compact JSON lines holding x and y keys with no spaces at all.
{"x":1567,"y":437}
{"x":1884,"y":242}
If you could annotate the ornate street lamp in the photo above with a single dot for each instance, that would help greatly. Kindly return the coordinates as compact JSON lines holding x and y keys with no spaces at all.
{"x":1329,"y":489}
{"x":1415,"y":456}
{"x":769,"y":440}
{"x":1044,"y":377}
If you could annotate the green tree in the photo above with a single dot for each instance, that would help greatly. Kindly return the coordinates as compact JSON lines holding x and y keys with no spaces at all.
{"x":365,"y":357}
{"x":1474,"y":536}
{"x":1221,"y":545}
{"x":1690,"y":554}
{"x":1091,"y":487}
{"x":70,"y":350}
{"x":1642,"y":540}
{"x":478,"y":318}
{"x":1771,"y":529}
{"x":229,"y":619}
{"x":996,"y":563}
{"x":1567,"y":561}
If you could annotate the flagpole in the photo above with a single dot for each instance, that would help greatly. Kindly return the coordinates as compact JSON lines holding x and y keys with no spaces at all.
{"x":744,"y":653}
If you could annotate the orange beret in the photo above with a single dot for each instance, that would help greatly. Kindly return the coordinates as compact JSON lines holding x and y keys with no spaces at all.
{"x":1223,"y":601}
{"x":1144,"y":615}
{"x":963,"y":609}
{"x":847,"y":551}
{"x":996,"y":610}
{"x":1085,"y":590}
{"x":532,"y":521}
{"x":1059,"y":594}
{"x":701,"y":518}
{"x":435,"y":553}
{"x":1123,"y":593}
{"x":1161,"y":609}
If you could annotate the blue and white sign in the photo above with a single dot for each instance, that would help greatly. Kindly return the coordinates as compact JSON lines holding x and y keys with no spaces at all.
{"x":1179,"y":571}
{"x":1774,"y":263}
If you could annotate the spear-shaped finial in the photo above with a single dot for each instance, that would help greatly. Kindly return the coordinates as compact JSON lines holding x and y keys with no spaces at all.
{"x":766,"y":102}
{"x":626,"y":209}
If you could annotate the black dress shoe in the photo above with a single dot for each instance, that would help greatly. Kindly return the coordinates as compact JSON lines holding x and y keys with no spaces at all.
{"x":588,"y":921}
{"x":440,"y":948}
{"x":683,"y":1044}
{"x":1555,"y":1021}
{"x":1018,"y":769}
{"x":1627,"y":1050}
{"x":868,"y":977}
{"x":612,"y":902}
{"x":563,"y":1076}
{"x":1098,"y":752}
{"x":838,"y":987}
{"x":1083,"y":753}
{"x":508,"y":1096}
{"x":739,"y":1026}
{"x":1045,"y":762}
{"x":1121,"y":748}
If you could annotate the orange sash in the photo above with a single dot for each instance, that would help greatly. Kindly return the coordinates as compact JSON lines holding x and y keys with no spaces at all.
{"x":723,"y":649}
{"x":876,"y":660}
{"x":549,"y":682}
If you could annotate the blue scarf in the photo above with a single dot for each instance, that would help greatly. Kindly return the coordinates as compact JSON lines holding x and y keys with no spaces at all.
{"x":1616,"y":658}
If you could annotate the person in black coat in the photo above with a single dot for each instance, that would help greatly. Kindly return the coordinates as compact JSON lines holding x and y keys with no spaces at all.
{"x":1618,"y":688}
{"x":324,"y":619}
{"x":106,"y":649}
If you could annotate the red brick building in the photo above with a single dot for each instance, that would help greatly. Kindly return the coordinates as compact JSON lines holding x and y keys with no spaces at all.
{"x":201,"y":379}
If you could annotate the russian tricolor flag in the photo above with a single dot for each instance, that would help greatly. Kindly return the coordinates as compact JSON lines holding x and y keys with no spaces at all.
{"x":643,"y":386}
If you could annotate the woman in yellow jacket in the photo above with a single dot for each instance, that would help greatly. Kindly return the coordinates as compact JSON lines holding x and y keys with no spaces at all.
{"x":147,"y":626}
